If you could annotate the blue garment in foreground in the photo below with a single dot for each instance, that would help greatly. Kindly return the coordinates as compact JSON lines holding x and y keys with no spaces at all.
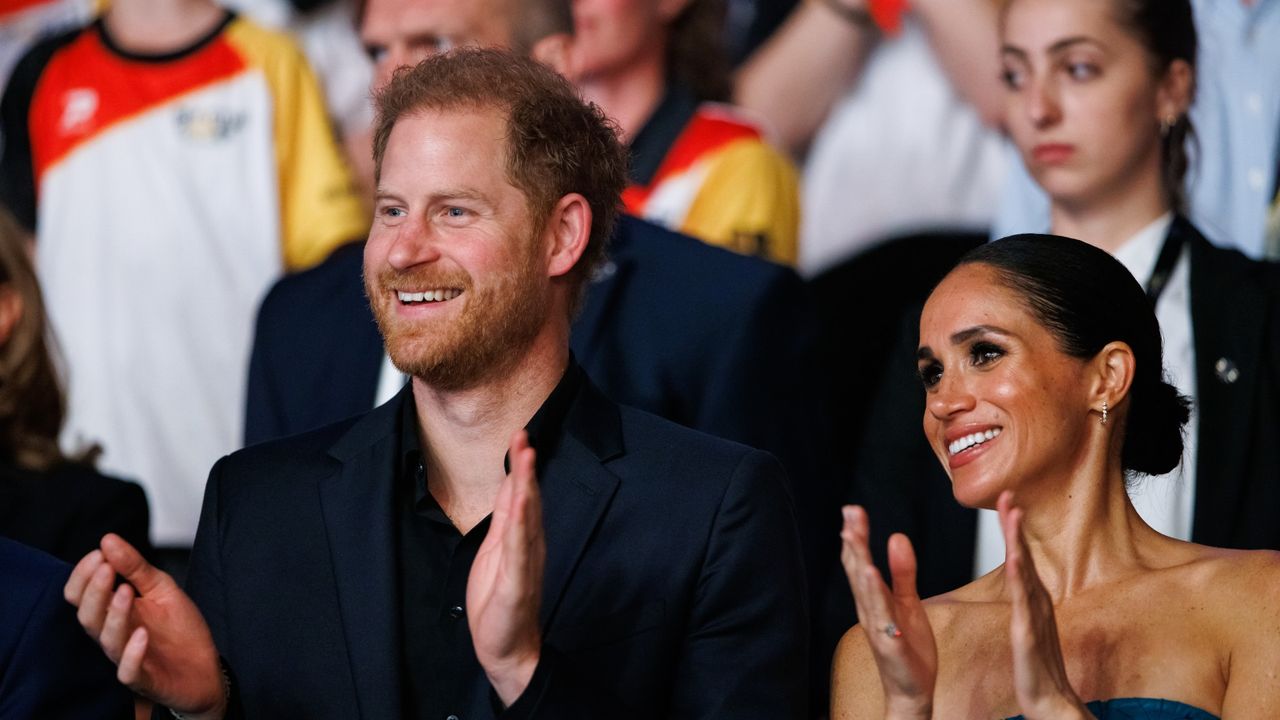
{"x":1143,"y":709}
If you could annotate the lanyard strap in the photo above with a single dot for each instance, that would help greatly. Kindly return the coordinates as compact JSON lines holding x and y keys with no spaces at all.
{"x":1169,"y":252}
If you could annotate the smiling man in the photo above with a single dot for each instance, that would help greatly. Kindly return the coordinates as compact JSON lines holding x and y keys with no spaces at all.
{"x":501,"y":539}
{"x":667,"y":324}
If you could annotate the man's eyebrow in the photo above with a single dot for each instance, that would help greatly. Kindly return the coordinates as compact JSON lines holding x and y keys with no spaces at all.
{"x":460,"y":194}
{"x":448,"y":194}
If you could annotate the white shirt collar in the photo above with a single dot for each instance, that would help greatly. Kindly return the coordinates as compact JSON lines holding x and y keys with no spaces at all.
{"x":1140,"y":252}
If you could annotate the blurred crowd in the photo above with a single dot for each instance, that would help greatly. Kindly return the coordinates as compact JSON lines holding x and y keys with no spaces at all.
{"x":186,"y":187}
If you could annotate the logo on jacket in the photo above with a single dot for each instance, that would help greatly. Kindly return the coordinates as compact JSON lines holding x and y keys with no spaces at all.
{"x":79,"y":106}
{"x":209,"y":125}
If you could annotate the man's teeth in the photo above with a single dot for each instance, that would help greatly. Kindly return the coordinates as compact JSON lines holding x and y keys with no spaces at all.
{"x":969,"y":441}
{"x":429,"y":295}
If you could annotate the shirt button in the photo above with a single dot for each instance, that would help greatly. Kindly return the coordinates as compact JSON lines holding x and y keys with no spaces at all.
{"x":1254,"y":102}
{"x":456,"y":612}
{"x":1257,"y":178}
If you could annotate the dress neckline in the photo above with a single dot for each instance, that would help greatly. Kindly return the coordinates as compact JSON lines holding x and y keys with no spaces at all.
{"x":1142,"y":708}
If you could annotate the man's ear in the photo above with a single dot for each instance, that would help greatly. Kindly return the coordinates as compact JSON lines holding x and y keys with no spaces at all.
{"x":556,"y":52}
{"x":569,"y":230}
{"x":10,"y":311}
{"x":1113,"y":370}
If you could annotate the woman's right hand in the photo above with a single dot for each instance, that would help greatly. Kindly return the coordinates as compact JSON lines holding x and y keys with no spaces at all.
{"x":894,"y":621}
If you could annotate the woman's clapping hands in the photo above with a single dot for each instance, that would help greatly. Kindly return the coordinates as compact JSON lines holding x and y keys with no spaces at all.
{"x":896,"y":626}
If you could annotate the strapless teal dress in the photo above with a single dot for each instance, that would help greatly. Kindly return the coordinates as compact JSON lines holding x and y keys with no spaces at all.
{"x":1144,"y":709}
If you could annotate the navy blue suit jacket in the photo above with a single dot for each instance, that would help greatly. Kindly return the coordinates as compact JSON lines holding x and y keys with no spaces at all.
{"x":707,"y":338}
{"x":49,"y":668}
{"x":673,"y":585}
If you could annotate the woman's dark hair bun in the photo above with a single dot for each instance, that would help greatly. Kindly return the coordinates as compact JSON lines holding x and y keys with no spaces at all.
{"x":1153,"y":440}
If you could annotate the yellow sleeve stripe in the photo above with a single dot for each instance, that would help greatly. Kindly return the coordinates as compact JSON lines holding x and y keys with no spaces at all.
{"x":319,"y":207}
{"x":749,"y":202}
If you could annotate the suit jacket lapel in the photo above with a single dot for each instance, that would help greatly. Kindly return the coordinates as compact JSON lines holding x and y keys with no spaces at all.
{"x":1228,"y":333}
{"x":577,"y":489}
{"x":357,"y":504}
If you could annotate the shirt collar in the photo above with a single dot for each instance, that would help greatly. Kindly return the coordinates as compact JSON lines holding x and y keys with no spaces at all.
{"x":545,"y":427}
{"x":1139,"y":253}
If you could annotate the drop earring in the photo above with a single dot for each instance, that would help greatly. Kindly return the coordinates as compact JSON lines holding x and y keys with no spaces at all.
{"x":1104,"y":412}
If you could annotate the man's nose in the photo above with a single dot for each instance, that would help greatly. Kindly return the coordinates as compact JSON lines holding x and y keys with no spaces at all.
{"x":414,"y":244}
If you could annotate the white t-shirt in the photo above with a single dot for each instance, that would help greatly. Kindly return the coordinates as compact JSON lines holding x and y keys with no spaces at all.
{"x":900,"y":152}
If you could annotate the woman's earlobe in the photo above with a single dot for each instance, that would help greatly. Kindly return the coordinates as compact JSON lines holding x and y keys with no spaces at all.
{"x":1177,"y":90}
{"x":1115,"y":367}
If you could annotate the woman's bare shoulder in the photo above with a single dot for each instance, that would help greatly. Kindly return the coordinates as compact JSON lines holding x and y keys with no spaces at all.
{"x":1237,"y":578}
{"x":855,"y":681}
{"x":856,"y":691}
{"x":1242,"y":588}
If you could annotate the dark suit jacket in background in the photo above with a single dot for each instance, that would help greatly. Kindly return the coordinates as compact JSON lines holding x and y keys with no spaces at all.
{"x":49,"y":668}
{"x":66,"y":510}
{"x":673,"y":584}
{"x":1235,"y":313}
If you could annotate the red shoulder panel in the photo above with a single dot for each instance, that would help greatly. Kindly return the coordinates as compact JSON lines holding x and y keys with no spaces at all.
{"x":86,"y":89}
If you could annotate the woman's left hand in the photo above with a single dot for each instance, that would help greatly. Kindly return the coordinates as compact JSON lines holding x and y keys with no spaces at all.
{"x":1039,"y":673}
{"x":894,"y":621}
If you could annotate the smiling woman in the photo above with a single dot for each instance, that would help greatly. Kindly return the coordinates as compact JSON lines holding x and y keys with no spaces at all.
{"x":1096,"y":105}
{"x":1041,"y":361}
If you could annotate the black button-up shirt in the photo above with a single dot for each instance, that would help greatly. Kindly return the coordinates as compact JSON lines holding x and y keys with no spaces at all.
{"x":442,"y":674}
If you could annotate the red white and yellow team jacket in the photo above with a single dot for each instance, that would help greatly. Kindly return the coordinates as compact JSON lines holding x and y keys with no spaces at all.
{"x":167,"y":194}
{"x":704,"y":169}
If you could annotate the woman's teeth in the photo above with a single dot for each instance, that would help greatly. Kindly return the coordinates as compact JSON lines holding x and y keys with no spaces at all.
{"x":969,"y":441}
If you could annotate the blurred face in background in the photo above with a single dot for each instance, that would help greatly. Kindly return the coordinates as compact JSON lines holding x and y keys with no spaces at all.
{"x":613,"y":36}
{"x":399,"y":33}
{"x":1085,"y":104}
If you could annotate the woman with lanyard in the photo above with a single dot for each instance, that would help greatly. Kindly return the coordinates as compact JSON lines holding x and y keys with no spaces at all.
{"x":1097,"y":106}
{"x":1097,"y":99}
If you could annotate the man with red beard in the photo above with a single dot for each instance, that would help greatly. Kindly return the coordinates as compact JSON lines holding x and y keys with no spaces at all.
{"x":500,"y":540}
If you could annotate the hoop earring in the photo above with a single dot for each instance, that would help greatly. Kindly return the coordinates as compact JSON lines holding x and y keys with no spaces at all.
{"x":1104,"y":412}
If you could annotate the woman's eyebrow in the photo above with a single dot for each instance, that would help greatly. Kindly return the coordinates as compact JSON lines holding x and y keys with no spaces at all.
{"x":967,"y":334}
